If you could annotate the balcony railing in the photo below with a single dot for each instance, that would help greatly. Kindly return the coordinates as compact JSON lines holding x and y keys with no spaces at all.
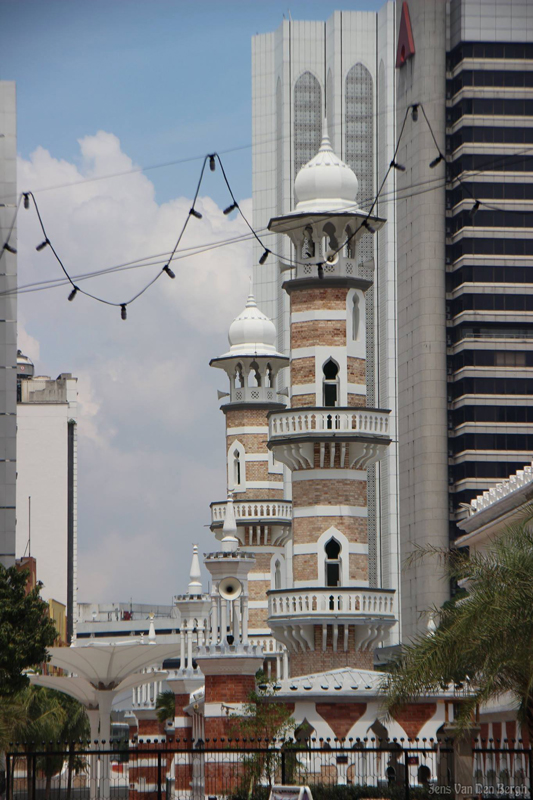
{"x":254,"y":510}
{"x":324,"y":420}
{"x":335,"y":602}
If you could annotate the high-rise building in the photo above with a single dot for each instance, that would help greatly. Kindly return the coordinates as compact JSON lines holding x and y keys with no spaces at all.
{"x":338,"y":74}
{"x":8,"y":320}
{"x":449,"y":321}
{"x":47,"y":481}
{"x":465,"y":267}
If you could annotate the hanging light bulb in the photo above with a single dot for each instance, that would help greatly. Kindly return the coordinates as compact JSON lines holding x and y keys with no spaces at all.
{"x":9,"y":249}
{"x":42,"y":245}
{"x":123,"y":312}
{"x":170,"y":273}
{"x":436,"y":161}
{"x":394,"y":164}
{"x":230,"y":208}
{"x":414,"y":112}
{"x":474,"y":209}
{"x":264,"y":256}
{"x":320,"y":272}
{"x":195,"y":213}
{"x":73,"y":293}
{"x":26,"y":200}
{"x":368,"y":226}
{"x":212,"y":162}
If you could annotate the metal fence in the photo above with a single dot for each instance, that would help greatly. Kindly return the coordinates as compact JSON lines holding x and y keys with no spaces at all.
{"x":245,"y":770}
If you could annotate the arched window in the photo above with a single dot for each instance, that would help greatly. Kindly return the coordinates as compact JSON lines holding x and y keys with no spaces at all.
{"x":277,"y":575}
{"x":355,"y":317}
{"x":237,"y":468}
{"x":254,"y":377}
{"x":308,"y":248}
{"x":269,"y":377}
{"x":239,"y":382}
{"x":332,"y":243}
{"x":359,"y":139}
{"x":307,"y":119}
{"x":333,"y":563}
{"x":330,"y":383}
{"x":349,"y":249}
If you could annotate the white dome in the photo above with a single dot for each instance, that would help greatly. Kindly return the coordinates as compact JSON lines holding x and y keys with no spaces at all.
{"x":252,"y":333}
{"x":326,"y":183}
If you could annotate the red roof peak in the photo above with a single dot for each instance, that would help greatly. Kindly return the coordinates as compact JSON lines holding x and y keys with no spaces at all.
{"x":406,"y":45}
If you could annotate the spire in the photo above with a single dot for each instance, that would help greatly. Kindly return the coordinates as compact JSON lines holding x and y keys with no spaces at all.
{"x":229,"y":541}
{"x":151,"y":629}
{"x":325,"y":144}
{"x":195,"y":575}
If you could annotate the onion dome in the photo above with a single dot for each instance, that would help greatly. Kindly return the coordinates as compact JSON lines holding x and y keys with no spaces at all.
{"x":252,"y":332}
{"x":326,"y":183}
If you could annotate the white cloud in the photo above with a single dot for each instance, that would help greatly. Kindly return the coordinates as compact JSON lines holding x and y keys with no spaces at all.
{"x":151,"y":437}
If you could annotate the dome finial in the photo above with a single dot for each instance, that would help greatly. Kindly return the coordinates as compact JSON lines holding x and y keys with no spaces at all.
{"x":325,"y":144}
{"x":250,"y":303}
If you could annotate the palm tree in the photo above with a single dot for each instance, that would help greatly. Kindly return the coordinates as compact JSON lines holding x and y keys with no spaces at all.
{"x":75,"y":728}
{"x":165,"y":706}
{"x":484,"y":640}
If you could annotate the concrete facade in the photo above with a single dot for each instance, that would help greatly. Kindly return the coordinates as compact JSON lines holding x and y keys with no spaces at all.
{"x":342,"y":71}
{"x":8,"y":320}
{"x":47,"y":485}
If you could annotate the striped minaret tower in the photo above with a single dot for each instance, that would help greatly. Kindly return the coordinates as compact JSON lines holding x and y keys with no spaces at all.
{"x":330,"y":617}
{"x":254,"y":477}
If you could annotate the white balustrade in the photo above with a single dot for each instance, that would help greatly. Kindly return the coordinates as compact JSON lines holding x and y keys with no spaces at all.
{"x":516,"y":481}
{"x":259,"y":394}
{"x":253,"y":510}
{"x":339,"y":602}
{"x":343,"y":420}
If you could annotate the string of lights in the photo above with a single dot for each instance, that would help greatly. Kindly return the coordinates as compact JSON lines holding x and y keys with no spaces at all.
{"x":166,"y":259}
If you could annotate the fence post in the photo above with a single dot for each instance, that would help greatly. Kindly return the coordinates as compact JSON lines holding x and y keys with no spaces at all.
{"x":159,"y":776}
{"x":406,"y":754}
{"x":33,"y":775}
{"x":530,"y":772}
{"x":283,"y":775}
{"x":8,"y":776}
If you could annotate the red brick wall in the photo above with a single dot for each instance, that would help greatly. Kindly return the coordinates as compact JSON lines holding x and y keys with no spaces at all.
{"x":328,"y":492}
{"x":228,"y":688}
{"x":341,"y":716}
{"x":318,"y":333}
{"x":318,"y":660}
{"x":319,"y":299}
{"x":414,"y":716}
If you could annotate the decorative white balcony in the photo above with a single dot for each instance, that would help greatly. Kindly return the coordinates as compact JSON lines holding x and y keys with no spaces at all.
{"x":255,"y":394}
{"x":294,"y":613}
{"x":252,"y":512}
{"x":361,"y":436}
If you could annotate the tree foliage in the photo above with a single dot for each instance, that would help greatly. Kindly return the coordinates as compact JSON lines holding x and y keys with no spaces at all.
{"x":25,"y":629}
{"x":165,"y":706}
{"x":484,"y":641}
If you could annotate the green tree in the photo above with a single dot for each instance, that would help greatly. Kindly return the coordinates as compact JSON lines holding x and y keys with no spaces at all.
{"x":165,"y":706}
{"x":484,"y":641}
{"x":25,"y":629}
{"x":76,"y":728}
{"x":263,"y":720}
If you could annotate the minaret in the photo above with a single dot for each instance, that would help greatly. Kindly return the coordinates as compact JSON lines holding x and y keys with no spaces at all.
{"x":254,"y":477}
{"x":328,"y":437}
{"x":228,"y":659}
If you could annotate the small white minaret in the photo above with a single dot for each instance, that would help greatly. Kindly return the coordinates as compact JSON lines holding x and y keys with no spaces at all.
{"x":255,"y":480}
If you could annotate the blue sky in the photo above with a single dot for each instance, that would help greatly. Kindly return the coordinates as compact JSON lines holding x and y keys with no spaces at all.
{"x":102,"y":84}
{"x":170,"y":78}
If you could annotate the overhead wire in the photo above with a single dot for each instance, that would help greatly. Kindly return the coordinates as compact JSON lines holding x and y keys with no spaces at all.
{"x":148,"y":261}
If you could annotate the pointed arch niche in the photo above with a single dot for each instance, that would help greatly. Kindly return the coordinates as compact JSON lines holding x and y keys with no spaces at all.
{"x":307,"y":119}
{"x":333,"y":550}
{"x":236,"y":467}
